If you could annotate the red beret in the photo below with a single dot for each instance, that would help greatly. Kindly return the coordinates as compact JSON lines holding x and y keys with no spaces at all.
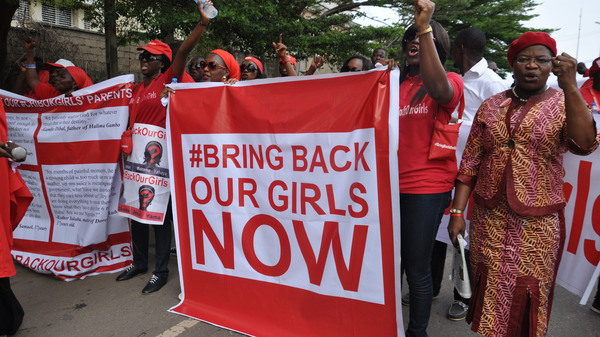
{"x":158,"y":48}
{"x":528,"y":39}
{"x":594,"y":68}
{"x":230,"y":62}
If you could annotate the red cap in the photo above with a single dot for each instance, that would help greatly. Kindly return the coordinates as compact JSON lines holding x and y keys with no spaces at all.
{"x":291,"y":58}
{"x":80,"y":77}
{"x":60,"y":63}
{"x":158,"y":48}
{"x":230,"y":62}
{"x":530,"y":39}
{"x":256,"y":61}
{"x":594,"y":68}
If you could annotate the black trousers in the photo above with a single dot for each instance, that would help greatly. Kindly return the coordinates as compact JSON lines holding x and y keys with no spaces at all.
{"x":140,"y":236}
{"x":11,"y":312}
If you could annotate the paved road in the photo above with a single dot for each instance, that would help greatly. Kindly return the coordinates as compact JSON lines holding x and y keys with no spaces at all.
{"x":98,"y":306}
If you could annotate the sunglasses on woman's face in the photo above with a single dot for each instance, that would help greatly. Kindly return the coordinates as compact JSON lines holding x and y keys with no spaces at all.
{"x":149,"y":57}
{"x":211,"y":65}
{"x":196,"y":66}
{"x":251,"y":68}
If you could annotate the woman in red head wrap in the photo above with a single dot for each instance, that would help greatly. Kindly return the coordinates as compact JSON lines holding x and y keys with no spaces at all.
{"x":513,"y":165}
{"x":220,"y":66}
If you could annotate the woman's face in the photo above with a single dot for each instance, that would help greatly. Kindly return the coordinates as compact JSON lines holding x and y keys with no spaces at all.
{"x":215,"y":69}
{"x":411,"y":40}
{"x":531,"y":69}
{"x":63,"y":82}
{"x":355,"y":65}
{"x":249,"y":70}
{"x":195,"y":68}
{"x":150,"y":64}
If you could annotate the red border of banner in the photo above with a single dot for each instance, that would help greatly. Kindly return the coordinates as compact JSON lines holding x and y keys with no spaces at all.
{"x":241,"y":304}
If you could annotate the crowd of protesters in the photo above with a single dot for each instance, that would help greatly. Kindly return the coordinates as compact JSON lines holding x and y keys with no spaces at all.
{"x":512,"y":162}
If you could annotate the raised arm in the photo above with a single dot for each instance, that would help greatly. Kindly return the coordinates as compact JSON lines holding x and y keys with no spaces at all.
{"x":179,"y":61}
{"x":580,"y":123}
{"x":432,"y":70}
{"x":31,"y":75}
{"x":281,"y":51}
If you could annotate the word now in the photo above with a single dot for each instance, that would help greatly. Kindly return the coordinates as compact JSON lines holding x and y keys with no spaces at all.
{"x":349,"y":275}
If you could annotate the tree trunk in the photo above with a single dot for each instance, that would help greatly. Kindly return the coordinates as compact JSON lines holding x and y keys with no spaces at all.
{"x":9,"y":7}
{"x":110,"y":39}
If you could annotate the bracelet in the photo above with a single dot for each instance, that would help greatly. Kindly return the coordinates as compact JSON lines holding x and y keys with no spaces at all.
{"x":286,"y":61}
{"x":424,"y":31}
{"x":203,"y":24}
{"x":454,"y":215}
{"x":30,"y":67}
{"x":456,"y":211}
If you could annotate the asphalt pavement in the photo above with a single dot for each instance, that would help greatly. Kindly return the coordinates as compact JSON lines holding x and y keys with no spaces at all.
{"x":98,"y":306}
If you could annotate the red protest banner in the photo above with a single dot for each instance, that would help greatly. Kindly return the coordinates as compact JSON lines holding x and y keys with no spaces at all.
{"x":285,"y":195}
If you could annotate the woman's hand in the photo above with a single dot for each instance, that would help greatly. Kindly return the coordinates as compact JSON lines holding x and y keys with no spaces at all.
{"x":423,"y":13}
{"x":280,"y":49}
{"x":318,"y":61}
{"x":231,"y":81}
{"x":166,"y":91}
{"x":565,"y":67}
{"x":203,"y":17}
{"x":30,"y":43}
{"x":390,"y":63}
{"x":456,"y":226}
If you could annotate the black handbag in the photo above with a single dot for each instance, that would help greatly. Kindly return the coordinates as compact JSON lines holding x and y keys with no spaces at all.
{"x":11,"y":310}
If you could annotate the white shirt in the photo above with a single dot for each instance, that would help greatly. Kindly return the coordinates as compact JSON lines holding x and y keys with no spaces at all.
{"x":480,"y":83}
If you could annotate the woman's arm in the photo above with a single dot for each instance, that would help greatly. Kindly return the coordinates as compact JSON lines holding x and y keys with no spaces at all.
{"x":580,"y":123}
{"x":432,"y":71}
{"x":188,"y":45}
{"x":31,"y":75}
{"x":281,"y":51}
{"x":457,"y":223}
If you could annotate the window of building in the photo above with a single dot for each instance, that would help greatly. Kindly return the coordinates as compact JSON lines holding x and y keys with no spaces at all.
{"x":57,"y":16}
{"x":22,"y":13}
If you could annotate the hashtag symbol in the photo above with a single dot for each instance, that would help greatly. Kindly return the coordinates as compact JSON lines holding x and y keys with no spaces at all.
{"x":195,"y":158}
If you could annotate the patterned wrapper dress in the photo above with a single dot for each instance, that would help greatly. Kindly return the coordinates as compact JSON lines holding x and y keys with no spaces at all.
{"x":513,"y":162}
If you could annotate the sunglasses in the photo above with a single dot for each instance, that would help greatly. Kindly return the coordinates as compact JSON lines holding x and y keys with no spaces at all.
{"x":355,"y":69}
{"x":150,"y":57}
{"x":211,"y":65}
{"x":197,"y":66}
{"x":251,"y":68}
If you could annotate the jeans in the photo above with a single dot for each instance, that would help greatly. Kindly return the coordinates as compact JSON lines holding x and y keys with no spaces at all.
{"x":140,"y":235}
{"x":420,"y":216}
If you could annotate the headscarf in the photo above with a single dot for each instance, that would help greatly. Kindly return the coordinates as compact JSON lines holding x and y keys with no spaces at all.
{"x":529,"y":39}
{"x":230,"y":62}
{"x":157,"y":47}
{"x":80,"y":77}
{"x":256,"y":61}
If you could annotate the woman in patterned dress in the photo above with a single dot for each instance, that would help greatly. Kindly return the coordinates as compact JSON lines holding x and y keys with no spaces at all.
{"x":513,"y":164}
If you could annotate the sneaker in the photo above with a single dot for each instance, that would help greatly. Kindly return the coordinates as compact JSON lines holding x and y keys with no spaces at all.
{"x":155,"y":283}
{"x":406,"y":299}
{"x":457,"y":311}
{"x":173,"y":251}
{"x":180,"y":296}
{"x":596,"y":305}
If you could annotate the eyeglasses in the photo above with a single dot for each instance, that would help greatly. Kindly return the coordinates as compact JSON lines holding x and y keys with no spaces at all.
{"x":355,"y":69}
{"x":196,"y":66}
{"x":251,"y":68}
{"x":211,"y":65}
{"x":540,"y":61}
{"x":150,"y":57}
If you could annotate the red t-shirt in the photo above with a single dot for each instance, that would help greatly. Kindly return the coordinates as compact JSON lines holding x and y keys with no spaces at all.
{"x":145,"y":104}
{"x":418,"y":174}
{"x":45,"y":90}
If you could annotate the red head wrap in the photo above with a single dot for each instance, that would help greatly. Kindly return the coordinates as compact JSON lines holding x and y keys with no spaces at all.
{"x":529,"y":39}
{"x":594,"y":68}
{"x":256,"y":61}
{"x":230,"y":62}
{"x":158,"y":48}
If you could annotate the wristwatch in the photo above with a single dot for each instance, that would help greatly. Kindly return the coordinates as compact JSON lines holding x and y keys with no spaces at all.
{"x":456,"y":211}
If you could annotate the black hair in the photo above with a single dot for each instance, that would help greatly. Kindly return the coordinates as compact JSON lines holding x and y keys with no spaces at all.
{"x":366,"y":63}
{"x":166,"y":63}
{"x":473,"y":39}
{"x":442,"y":47}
